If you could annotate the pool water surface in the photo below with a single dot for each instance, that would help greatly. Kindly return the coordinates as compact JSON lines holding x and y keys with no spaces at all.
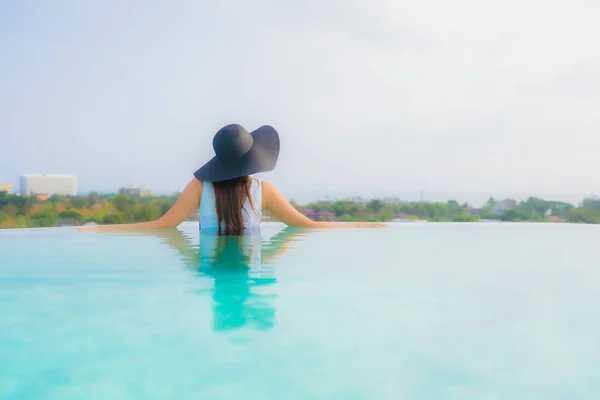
{"x":413,"y":311}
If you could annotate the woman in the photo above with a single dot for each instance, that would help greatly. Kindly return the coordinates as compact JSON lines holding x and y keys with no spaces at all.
{"x":230,"y":201}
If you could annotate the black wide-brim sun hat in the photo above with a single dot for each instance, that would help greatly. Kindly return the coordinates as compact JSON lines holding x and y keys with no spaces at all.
{"x":240,"y":153}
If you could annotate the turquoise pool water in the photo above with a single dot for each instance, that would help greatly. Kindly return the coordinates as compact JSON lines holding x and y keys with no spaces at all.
{"x":415,"y":311}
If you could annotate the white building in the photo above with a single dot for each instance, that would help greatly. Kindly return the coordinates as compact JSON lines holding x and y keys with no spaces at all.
{"x":49,"y":185}
{"x":133,"y":190}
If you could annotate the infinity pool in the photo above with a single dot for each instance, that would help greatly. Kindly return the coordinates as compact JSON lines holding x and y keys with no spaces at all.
{"x":414,"y":311}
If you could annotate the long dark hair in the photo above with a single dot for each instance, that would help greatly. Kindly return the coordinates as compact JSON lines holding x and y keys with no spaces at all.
{"x":230,"y":197}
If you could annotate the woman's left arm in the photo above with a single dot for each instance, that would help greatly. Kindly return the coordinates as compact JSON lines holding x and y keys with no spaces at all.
{"x":183,"y":207}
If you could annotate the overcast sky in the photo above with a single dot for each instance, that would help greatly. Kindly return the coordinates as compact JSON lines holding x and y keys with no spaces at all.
{"x":369,"y":97}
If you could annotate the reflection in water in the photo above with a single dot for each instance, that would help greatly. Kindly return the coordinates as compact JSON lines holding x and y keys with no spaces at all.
{"x":235,"y":264}
{"x":242,"y":269}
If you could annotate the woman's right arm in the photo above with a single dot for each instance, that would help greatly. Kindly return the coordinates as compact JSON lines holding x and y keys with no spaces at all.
{"x":276,"y":204}
{"x":183,"y":207}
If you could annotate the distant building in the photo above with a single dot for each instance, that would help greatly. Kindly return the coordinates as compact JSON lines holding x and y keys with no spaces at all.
{"x":49,"y":185}
{"x":5,"y":187}
{"x":133,"y":190}
{"x":502,"y":205}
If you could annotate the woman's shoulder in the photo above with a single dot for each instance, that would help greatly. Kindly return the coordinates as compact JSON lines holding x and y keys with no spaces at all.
{"x":265,"y":183}
{"x":196,"y":186}
{"x":267,"y":187}
{"x":268,"y":191}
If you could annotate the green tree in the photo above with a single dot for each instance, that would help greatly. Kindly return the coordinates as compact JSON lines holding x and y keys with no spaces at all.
{"x":375,"y":205}
{"x":164,"y":207}
{"x":94,"y":198}
{"x":126,"y":206}
{"x":148,"y":212}
{"x":537,"y":206}
{"x":71,"y":214}
{"x":453,"y":203}
{"x":385,"y":214}
{"x":80,"y":202}
{"x":465,"y":216}
{"x":11,"y":210}
{"x":521,"y":212}
{"x":582,"y":215}
{"x":121,"y":203}
{"x":114,"y":219}
{"x":22,"y":221}
{"x":591,"y":206}
{"x":56,"y":199}
{"x":44,"y":218}
{"x":559,"y":209}
{"x":3,"y":217}
{"x":346,"y":218}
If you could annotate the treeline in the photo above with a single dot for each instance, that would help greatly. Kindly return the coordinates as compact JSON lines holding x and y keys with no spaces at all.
{"x":539,"y":210}
{"x":32,"y":211}
{"x":531,"y":210}
{"x":382,"y":211}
